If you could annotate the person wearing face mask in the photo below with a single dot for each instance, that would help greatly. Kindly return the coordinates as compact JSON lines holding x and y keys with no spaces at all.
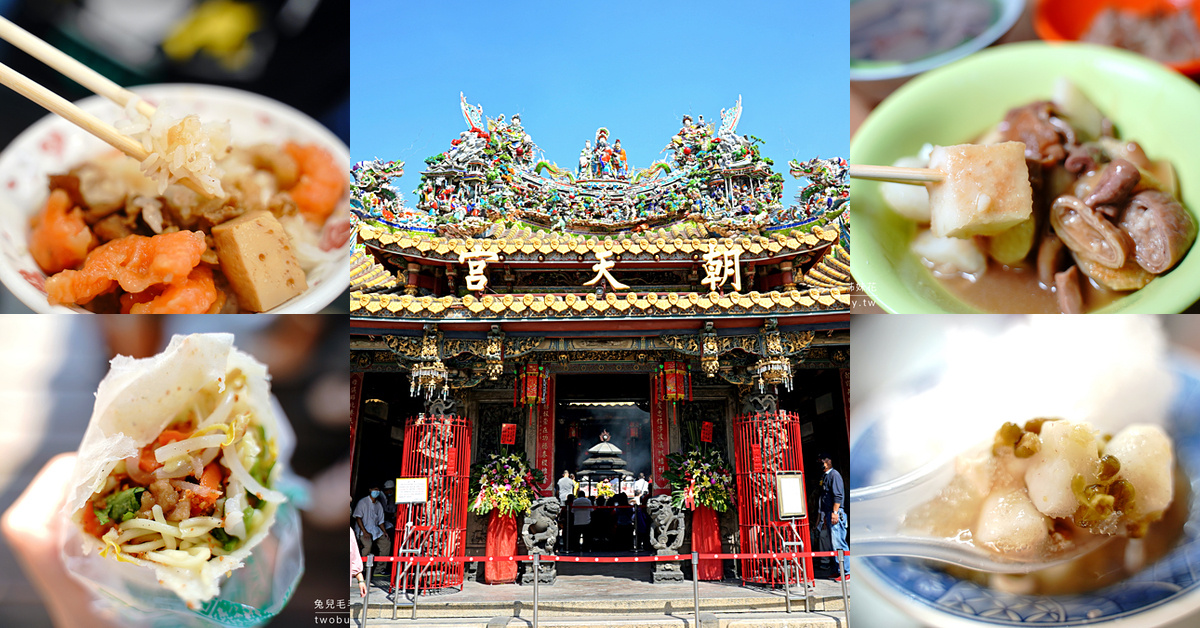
{"x":368,"y":525}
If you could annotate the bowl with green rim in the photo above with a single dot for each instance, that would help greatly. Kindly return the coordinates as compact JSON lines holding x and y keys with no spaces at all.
{"x":1147,"y":102}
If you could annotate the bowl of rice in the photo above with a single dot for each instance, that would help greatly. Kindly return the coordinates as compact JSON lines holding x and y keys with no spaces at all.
{"x":53,"y":146}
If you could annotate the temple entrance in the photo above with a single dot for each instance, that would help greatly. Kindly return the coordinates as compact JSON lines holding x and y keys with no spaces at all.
{"x":589,"y":405}
{"x":603,"y":437}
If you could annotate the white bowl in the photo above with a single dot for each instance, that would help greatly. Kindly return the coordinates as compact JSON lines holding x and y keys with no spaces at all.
{"x":53,"y":146}
{"x":1161,"y":593}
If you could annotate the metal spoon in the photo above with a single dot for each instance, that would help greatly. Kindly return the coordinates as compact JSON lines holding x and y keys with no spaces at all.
{"x":879,"y":512}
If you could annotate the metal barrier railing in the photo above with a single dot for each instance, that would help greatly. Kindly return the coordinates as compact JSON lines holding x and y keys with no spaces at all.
{"x":695,"y":557}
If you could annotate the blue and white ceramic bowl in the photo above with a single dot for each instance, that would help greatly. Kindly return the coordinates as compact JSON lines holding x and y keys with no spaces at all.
{"x":1163,"y":592}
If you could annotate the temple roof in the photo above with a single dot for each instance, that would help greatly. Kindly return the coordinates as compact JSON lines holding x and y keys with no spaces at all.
{"x":368,"y":274}
{"x":629,"y":305}
{"x":682,"y":241}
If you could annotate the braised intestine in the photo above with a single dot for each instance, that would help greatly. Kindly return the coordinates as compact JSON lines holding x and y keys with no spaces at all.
{"x":1165,"y":36}
{"x":1098,"y":198}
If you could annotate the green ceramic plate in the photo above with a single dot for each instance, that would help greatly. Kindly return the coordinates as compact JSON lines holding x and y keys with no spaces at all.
{"x":1147,"y":102}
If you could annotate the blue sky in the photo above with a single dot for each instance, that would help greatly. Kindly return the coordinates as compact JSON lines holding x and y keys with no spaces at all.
{"x":570,"y":67}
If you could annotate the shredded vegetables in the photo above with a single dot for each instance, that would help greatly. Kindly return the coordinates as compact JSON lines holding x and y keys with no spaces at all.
{"x":186,"y":499}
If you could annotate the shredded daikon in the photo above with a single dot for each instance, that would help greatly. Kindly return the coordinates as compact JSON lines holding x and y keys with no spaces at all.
{"x":182,"y":447}
{"x":236,"y":470}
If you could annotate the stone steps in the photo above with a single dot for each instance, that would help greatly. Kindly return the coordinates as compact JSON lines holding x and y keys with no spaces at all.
{"x":434,"y":608}
{"x":680,"y":620}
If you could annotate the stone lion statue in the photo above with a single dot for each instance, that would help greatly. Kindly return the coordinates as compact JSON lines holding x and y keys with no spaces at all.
{"x":540,"y":529}
{"x":667,"y":534}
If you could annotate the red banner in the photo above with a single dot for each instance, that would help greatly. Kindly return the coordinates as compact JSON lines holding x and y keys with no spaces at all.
{"x":706,"y":428}
{"x":355,"y":400}
{"x":544,"y":456}
{"x":508,"y":434}
{"x":845,"y":375}
{"x":660,"y":446}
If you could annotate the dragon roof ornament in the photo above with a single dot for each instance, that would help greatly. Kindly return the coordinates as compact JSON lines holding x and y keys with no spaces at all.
{"x":730,"y":118}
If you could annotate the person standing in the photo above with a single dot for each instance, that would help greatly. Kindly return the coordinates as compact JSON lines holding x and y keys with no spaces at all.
{"x":389,"y":507}
{"x":368,"y":521}
{"x":640,"y":487}
{"x":582,"y":525}
{"x":833,"y":515}
{"x":356,"y":565}
{"x":565,"y":486}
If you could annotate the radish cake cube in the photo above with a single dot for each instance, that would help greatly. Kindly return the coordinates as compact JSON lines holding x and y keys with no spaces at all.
{"x":986,"y":190}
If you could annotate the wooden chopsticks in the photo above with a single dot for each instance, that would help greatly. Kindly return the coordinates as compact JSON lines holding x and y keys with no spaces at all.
{"x":85,"y":76}
{"x":895,"y":174}
{"x":28,"y":88}
{"x":70,"y":67}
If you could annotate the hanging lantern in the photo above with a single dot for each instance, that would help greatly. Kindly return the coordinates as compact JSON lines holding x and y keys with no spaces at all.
{"x":428,"y":374}
{"x":429,"y":377}
{"x":530,"y":388}
{"x":774,"y":371}
{"x":633,"y":430}
{"x":572,"y":431}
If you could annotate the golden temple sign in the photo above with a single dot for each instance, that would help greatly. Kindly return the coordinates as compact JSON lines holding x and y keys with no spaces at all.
{"x":602,"y":266}
{"x":720,"y":264}
{"x":476,"y":262}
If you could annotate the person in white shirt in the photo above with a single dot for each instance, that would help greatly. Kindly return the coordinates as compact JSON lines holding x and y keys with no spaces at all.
{"x":582,"y":525}
{"x":640,"y":488}
{"x":368,"y":524}
{"x":566,"y":486}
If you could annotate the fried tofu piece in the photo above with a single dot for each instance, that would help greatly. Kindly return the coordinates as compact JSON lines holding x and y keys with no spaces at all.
{"x":986,"y":190}
{"x":257,"y":258}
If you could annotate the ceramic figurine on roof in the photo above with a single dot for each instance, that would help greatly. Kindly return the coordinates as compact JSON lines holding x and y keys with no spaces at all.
{"x":373,"y":197}
{"x":714,"y":180}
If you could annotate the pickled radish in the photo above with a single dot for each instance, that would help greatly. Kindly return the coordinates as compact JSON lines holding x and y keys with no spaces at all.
{"x":322,"y":182}
{"x":60,"y":238}
{"x":133,"y":262}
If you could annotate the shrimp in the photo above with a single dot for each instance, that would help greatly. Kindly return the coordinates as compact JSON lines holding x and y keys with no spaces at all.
{"x":133,"y":262}
{"x":322,"y":183}
{"x":60,"y":238}
{"x":193,"y":296}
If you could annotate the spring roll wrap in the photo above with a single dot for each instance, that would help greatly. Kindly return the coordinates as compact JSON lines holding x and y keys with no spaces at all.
{"x":174,"y":484}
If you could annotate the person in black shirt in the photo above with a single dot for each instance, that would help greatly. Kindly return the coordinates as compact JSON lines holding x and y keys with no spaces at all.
{"x":831,"y":511}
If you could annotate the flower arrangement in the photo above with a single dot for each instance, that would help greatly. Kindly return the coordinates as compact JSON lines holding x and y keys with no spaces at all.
{"x":699,"y":478}
{"x":605,"y":490}
{"x":506,"y":483}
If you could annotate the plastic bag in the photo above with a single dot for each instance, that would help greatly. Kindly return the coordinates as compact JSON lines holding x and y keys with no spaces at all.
{"x":130,"y":594}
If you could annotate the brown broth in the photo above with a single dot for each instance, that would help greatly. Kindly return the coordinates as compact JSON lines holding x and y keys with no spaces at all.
{"x":1016,"y":290}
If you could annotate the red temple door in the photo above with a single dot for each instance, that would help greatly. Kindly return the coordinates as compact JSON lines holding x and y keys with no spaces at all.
{"x":767,"y":443}
{"x":437,"y":448}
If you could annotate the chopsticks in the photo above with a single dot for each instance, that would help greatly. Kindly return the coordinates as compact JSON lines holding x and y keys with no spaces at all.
{"x":895,"y":174}
{"x":28,"y":88}
{"x":64,"y":108}
{"x":70,"y":67}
